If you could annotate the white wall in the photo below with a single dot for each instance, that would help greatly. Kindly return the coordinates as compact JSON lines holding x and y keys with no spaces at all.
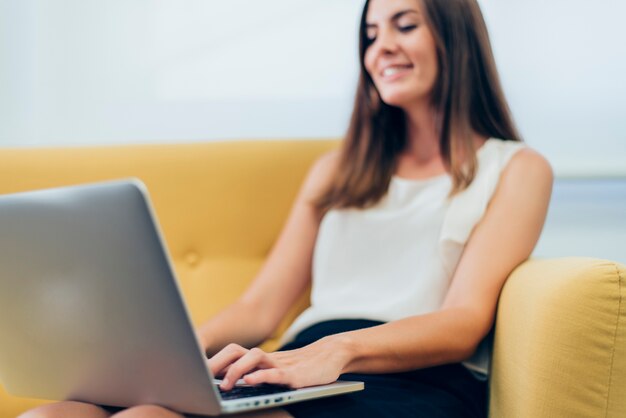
{"x":563,"y":64}
{"x":87,"y":71}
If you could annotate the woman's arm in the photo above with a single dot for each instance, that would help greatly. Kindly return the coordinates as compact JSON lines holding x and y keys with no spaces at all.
{"x":283,"y":277}
{"x":503,"y":239}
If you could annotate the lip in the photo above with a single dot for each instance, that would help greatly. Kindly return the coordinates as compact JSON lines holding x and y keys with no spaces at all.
{"x":403,"y":71}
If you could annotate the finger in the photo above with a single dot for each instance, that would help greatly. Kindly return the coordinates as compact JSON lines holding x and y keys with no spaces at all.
{"x":252,"y":360}
{"x":222,"y":360}
{"x":273,"y":376}
{"x":221,"y":373}
{"x":224,"y":371}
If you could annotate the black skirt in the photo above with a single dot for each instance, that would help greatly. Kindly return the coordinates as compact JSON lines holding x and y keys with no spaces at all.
{"x":441,"y":391}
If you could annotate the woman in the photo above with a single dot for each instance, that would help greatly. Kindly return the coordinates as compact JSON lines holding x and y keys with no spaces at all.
{"x":411,"y":230}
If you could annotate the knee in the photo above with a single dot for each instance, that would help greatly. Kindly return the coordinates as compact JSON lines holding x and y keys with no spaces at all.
{"x":64,"y":410}
{"x":147,"y":411}
{"x":39,"y":412}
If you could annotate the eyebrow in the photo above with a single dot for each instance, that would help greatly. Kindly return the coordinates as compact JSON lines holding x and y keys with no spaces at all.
{"x":396,"y":16}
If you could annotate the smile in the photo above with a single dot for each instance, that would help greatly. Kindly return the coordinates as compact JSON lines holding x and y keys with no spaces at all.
{"x":395,"y":71}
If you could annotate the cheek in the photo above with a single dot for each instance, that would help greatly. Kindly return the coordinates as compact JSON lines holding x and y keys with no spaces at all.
{"x":426,"y":64}
{"x":430,"y":54}
{"x":368,"y":62}
{"x":430,"y":62}
{"x":434,"y":69}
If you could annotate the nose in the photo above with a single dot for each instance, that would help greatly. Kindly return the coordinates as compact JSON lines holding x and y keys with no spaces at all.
{"x":386,"y":41}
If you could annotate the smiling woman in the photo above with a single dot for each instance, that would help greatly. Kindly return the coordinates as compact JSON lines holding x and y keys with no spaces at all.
{"x":402,"y":227}
{"x":399,"y":233}
{"x":406,"y":78}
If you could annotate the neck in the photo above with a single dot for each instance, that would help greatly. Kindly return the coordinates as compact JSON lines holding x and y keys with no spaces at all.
{"x":422,"y":133}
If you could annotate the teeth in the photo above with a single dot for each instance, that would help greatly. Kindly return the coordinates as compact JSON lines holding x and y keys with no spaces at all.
{"x":392,"y":70}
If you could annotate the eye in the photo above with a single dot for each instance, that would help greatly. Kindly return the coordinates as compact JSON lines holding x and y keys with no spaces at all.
{"x":407,"y":28}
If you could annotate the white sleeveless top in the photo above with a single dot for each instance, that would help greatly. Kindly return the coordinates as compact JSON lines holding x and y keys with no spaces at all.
{"x":396,"y":259}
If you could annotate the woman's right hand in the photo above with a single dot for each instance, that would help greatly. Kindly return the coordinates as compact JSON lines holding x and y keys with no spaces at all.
{"x":315,"y":364}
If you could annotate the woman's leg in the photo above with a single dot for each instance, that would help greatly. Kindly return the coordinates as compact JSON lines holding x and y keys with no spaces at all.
{"x":66,"y":409}
{"x":154,"y":411}
{"x":147,"y":411}
{"x":85,"y":410}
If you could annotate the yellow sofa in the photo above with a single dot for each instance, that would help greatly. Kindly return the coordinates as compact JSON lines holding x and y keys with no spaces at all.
{"x":560,"y":339}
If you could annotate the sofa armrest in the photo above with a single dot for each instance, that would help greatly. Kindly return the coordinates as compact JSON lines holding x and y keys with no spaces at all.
{"x":560,"y":341}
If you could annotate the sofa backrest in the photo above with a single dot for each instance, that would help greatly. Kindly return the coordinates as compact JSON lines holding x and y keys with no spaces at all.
{"x":220,"y":205}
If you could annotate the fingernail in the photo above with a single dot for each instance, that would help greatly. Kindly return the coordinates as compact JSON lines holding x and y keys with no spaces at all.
{"x":225,"y":382}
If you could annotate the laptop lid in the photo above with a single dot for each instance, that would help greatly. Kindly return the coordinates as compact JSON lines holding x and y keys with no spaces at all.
{"x":89,"y":308}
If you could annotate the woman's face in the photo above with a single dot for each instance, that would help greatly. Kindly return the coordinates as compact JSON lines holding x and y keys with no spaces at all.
{"x":401,"y":57}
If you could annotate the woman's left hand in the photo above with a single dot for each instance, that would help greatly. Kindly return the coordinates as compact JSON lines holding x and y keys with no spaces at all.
{"x":315,"y":364}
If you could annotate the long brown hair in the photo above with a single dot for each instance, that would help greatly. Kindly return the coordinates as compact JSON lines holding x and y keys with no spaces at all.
{"x":467,"y":98}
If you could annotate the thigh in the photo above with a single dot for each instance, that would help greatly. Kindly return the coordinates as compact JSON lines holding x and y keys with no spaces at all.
{"x":415,"y":394}
{"x":158,"y":412}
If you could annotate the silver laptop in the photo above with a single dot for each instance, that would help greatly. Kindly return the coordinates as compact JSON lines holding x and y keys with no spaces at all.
{"x":90,"y":309}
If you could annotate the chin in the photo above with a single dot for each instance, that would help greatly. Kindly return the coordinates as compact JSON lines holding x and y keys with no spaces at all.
{"x":397,"y":100}
{"x":404,"y":99}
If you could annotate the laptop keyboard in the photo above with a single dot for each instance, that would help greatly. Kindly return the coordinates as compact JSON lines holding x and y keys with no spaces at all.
{"x":248,"y":391}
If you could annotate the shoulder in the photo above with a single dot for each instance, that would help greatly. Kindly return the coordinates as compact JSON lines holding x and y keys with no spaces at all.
{"x":326,"y":163}
{"x":322,"y":173}
{"x":528,"y":165}
{"x":527,"y":173}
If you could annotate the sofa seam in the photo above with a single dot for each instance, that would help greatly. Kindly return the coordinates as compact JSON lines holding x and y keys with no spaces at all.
{"x":617,"y":321}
